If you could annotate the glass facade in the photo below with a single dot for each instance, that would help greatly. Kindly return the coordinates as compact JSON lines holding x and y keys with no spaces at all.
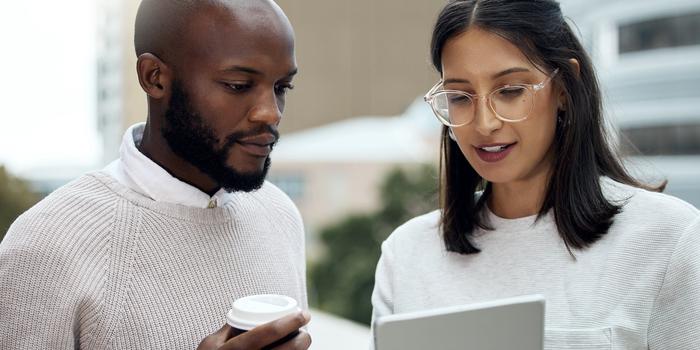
{"x":677,"y":139}
{"x":661,"y":32}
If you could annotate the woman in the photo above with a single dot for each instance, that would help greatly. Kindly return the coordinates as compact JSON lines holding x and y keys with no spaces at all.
{"x":533,"y":197}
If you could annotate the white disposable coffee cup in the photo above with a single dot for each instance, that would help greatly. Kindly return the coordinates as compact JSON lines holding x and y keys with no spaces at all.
{"x":252,"y":311}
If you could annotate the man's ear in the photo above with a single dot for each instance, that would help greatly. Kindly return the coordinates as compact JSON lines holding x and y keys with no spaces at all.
{"x":154,"y":75}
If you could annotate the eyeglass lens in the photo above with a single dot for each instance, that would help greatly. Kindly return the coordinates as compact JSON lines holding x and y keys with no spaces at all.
{"x":510,"y":103}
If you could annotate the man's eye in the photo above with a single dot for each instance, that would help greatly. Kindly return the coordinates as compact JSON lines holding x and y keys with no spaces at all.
{"x":236,"y":87}
{"x":283,"y":89}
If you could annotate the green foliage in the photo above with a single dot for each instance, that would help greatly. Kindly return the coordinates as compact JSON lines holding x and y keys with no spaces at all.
{"x":15,"y":198}
{"x":343,"y":279}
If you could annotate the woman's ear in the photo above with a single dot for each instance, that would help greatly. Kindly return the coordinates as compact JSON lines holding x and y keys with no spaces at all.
{"x":576,"y":67}
{"x":154,"y":76}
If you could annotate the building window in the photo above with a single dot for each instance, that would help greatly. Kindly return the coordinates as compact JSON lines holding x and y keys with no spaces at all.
{"x":661,"y":32}
{"x":682,"y":139}
{"x":292,"y":185}
{"x":103,"y":95}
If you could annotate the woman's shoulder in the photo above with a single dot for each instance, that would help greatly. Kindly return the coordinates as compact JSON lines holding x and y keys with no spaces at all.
{"x":644,"y":206}
{"x":417,"y":230}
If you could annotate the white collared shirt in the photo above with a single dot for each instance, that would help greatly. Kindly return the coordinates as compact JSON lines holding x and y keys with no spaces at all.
{"x":138,"y":172}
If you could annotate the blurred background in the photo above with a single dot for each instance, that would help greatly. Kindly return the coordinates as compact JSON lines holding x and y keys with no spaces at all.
{"x":359,"y":148}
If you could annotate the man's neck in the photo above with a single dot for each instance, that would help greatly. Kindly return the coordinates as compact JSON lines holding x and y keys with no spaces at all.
{"x":156,"y":148}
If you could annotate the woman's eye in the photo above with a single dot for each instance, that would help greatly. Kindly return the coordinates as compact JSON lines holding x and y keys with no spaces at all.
{"x":513,"y":91}
{"x":458,"y":99}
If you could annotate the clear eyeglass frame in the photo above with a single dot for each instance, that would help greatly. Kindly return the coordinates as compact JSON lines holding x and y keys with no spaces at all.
{"x":435,"y":91}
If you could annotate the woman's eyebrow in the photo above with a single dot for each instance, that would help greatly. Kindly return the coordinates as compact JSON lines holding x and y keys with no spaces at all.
{"x":495,"y":76}
{"x":510,"y":71}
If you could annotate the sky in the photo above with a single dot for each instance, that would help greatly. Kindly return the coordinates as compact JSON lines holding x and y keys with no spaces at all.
{"x":47,"y":95}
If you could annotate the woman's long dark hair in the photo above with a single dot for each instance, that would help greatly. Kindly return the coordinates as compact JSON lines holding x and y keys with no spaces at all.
{"x":582,"y":150}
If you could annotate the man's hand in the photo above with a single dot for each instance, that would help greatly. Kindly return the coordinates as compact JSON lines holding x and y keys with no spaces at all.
{"x":228,"y":338}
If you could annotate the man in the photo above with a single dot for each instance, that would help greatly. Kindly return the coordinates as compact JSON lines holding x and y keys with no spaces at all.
{"x":150,"y":252}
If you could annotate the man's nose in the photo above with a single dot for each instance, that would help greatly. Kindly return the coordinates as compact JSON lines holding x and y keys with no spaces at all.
{"x":266,"y":110}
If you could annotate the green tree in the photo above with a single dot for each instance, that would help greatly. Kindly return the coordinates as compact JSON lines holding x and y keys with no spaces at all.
{"x":15,"y":198}
{"x":343,"y":279}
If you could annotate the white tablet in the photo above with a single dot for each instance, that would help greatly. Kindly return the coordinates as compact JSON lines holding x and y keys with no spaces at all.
{"x":505,"y":324}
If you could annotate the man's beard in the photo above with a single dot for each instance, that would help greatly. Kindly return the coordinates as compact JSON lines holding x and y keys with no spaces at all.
{"x":192,"y":139}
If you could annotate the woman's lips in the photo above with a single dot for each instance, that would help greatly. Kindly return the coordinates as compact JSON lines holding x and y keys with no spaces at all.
{"x":492,"y":153}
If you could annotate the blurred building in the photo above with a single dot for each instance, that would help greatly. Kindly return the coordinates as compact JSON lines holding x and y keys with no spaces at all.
{"x":358,"y":58}
{"x":336,"y":170}
{"x":364,"y":57}
{"x":120,"y":100}
{"x":647,"y":54}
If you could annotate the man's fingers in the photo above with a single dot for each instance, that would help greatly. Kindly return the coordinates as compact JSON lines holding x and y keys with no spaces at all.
{"x":301,"y":342}
{"x":268,"y":333}
{"x":217,"y":338}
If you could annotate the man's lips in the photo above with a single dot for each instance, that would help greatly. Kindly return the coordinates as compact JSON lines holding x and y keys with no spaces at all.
{"x":258,"y":146}
{"x":259,"y":140}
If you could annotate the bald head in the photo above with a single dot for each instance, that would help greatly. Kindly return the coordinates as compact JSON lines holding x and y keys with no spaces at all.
{"x":162,"y":24}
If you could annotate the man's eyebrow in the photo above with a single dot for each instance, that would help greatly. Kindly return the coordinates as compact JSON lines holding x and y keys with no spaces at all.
{"x":497,"y":75}
{"x":242,"y":69}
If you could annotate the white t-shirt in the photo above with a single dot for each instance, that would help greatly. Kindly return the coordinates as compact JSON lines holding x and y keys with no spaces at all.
{"x":636,"y":288}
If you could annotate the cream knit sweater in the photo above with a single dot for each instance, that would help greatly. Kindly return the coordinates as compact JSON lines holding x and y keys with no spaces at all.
{"x":98,"y":266}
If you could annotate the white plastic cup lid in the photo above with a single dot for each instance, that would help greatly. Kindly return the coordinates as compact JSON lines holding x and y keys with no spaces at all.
{"x":252,"y":311}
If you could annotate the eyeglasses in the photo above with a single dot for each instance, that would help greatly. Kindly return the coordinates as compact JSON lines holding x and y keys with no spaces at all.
{"x":510,"y":103}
